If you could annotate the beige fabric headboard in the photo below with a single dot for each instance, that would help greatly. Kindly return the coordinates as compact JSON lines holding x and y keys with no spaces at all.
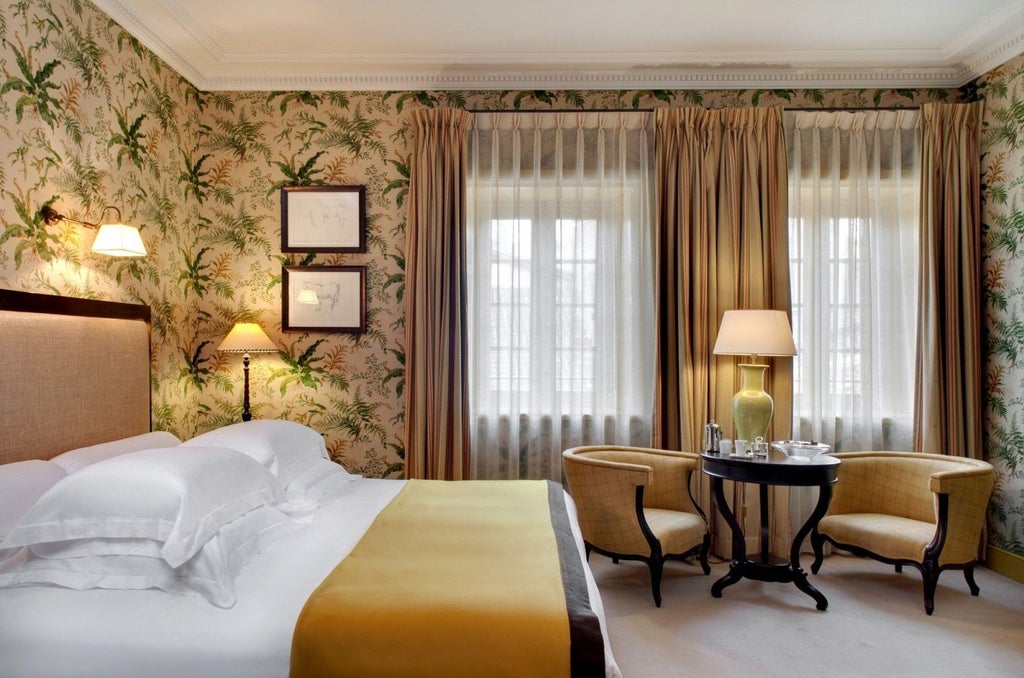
{"x":73,"y":372}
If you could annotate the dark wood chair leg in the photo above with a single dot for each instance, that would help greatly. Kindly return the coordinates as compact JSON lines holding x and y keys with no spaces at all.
{"x":704,"y":549}
{"x":656,"y":565}
{"x":930,"y":574}
{"x":899,"y":567}
{"x":818,"y":545}
{"x":969,"y":576}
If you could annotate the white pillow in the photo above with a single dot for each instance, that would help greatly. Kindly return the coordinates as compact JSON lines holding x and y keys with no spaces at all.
{"x":74,"y":460}
{"x":179,"y":496}
{"x":289,"y":450}
{"x":322,"y":480}
{"x":136,"y":563}
{"x":21,"y":485}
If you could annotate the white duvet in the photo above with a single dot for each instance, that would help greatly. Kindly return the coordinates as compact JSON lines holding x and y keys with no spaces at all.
{"x":51,"y":632}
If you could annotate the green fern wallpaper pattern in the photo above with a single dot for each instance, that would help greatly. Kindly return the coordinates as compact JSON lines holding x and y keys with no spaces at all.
{"x":92,"y":118}
{"x":1003,"y":288}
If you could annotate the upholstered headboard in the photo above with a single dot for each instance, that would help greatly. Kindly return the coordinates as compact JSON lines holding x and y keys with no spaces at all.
{"x":73,"y":372}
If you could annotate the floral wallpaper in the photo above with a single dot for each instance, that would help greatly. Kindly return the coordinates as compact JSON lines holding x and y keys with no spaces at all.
{"x":1003,"y":289}
{"x":89,"y":118}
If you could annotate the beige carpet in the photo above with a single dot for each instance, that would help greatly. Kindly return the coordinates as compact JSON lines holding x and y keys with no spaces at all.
{"x":875,"y":624}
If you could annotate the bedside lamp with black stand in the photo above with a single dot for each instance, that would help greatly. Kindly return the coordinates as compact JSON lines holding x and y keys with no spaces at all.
{"x":246,"y":338}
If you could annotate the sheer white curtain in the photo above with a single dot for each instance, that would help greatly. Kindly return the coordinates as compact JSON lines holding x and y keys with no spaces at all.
{"x":560,"y":258}
{"x":853,"y":181}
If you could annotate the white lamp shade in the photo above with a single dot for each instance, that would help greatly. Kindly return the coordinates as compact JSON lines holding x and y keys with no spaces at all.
{"x":247,"y":338}
{"x":755,"y":332}
{"x":119,"y":240}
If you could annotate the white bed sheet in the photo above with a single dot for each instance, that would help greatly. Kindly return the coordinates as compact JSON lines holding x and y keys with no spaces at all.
{"x":52,"y":632}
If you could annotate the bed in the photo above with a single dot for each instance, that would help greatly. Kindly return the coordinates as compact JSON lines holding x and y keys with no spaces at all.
{"x":264,"y":605}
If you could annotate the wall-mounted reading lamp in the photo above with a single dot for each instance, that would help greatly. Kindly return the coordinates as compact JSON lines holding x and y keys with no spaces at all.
{"x":113,"y":239}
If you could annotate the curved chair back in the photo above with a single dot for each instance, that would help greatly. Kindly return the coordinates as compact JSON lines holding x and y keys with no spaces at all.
{"x":606,"y":491}
{"x":909,"y":508}
{"x":634,"y":503}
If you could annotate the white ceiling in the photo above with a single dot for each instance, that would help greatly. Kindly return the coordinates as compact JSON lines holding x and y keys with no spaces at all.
{"x":574,"y":44}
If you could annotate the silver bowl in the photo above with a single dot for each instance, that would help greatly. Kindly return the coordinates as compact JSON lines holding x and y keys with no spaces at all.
{"x":800,"y":450}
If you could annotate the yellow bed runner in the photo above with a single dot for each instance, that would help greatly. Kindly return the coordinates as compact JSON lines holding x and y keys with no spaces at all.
{"x":454,"y":579}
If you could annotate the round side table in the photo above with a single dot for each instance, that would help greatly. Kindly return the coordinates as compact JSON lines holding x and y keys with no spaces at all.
{"x":819,"y":471}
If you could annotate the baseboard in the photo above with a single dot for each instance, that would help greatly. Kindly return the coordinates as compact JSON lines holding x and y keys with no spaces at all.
{"x":1005,"y":563}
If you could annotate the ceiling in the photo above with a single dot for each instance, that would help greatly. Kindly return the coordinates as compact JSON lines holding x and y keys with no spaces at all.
{"x":243,"y":45}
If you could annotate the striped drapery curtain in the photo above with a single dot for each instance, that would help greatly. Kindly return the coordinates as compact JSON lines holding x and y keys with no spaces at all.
{"x":436,"y":401}
{"x":948,"y":412}
{"x":722,"y":244}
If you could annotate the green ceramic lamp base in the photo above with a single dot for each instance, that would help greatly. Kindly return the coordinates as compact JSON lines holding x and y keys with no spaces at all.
{"x":751,"y":406}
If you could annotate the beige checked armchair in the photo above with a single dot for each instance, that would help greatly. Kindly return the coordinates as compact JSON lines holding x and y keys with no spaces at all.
{"x":909,"y":508}
{"x":636,"y":504}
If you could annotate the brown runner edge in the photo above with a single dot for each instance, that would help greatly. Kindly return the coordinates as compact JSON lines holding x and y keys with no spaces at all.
{"x":586,"y":644}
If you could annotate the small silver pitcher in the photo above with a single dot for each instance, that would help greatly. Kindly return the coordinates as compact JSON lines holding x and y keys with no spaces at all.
{"x":712,"y":437}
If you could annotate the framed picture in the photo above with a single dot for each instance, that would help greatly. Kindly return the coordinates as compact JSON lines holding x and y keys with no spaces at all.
{"x":323,"y":219}
{"x":323,"y":299}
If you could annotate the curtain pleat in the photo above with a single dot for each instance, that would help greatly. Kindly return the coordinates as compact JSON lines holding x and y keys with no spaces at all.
{"x":948,"y":412}
{"x":722,"y":244}
{"x":436,"y":402}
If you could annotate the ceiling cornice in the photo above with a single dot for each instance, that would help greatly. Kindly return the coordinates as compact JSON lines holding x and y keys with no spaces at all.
{"x":638,"y":78}
{"x":144,"y":33}
{"x":209,"y":68}
{"x":991,"y":43}
{"x":984,"y":62}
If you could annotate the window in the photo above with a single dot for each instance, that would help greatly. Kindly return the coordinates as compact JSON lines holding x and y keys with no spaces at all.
{"x":569,"y":250}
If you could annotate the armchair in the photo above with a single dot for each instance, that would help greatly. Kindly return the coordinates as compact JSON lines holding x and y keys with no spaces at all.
{"x":909,"y":508}
{"x":636,"y":504}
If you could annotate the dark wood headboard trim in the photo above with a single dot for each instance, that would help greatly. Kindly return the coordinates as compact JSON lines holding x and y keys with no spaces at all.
{"x":13,"y":300}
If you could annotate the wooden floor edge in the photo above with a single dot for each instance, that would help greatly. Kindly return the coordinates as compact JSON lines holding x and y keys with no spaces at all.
{"x":1005,"y":563}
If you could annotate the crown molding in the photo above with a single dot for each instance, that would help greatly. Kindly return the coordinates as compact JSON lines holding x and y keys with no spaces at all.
{"x":198,"y":58}
{"x":981,"y":64}
{"x":144,"y":32}
{"x":644,"y":79}
{"x":991,"y":43}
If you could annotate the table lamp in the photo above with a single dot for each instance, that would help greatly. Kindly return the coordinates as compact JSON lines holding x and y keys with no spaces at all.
{"x":246,"y":338}
{"x":753,"y":333}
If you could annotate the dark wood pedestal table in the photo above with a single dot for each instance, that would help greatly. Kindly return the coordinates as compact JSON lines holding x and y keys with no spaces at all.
{"x":819,"y":471}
